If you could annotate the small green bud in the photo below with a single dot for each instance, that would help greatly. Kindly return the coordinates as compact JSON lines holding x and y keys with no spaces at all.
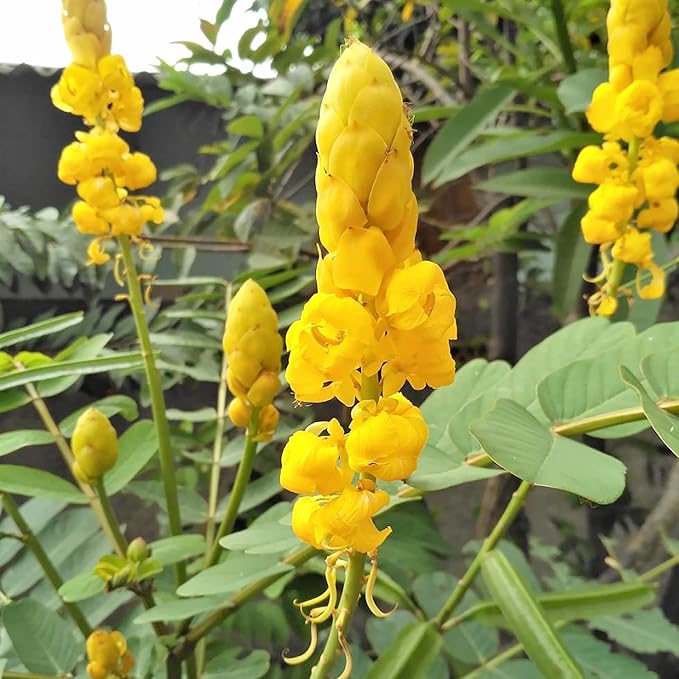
{"x":138,"y":550}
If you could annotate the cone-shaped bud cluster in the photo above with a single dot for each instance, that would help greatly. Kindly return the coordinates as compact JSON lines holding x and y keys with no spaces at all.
{"x":253,"y":348}
{"x":636,"y":173}
{"x":95,"y":446}
{"x":98,"y":87}
{"x":381,"y":315}
{"x":108,"y":655}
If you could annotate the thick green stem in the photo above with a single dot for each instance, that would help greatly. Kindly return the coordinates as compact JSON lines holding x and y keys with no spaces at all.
{"x":215,"y":468}
{"x":45,"y":563}
{"x":53,"y":428}
{"x":565,"y":44}
{"x":157,"y":397}
{"x":31,"y":675}
{"x":351,"y":593}
{"x":236,"y":496}
{"x":195,"y":634}
{"x":489,"y":543}
{"x":109,"y":514}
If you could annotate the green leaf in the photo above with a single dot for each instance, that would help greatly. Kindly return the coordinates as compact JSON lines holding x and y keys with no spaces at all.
{"x":109,"y":406}
{"x":411,"y":655}
{"x":536,"y":182}
{"x":83,"y":586}
{"x":44,"y":642}
{"x":177,"y":548}
{"x":22,"y":438}
{"x":526,"y":618}
{"x":471,"y":381}
{"x":72,"y":369}
{"x":437,"y":469}
{"x":65,"y":534}
{"x":520,"y":145}
{"x":237,"y":571}
{"x":246,"y":126}
{"x":578,"y":604}
{"x":642,"y":632}
{"x":519,"y":443}
{"x":224,"y":11}
{"x":597,"y":659}
{"x":660,"y":370}
{"x":570,"y":261}
{"x":228,"y":664}
{"x":135,"y":448}
{"x":666,"y":426}
{"x":181,"y":609}
{"x":575,"y":91}
{"x":40,"y":329}
{"x":462,"y":129}
{"x":265,"y":535}
{"x":36,"y":482}
{"x":37,"y":513}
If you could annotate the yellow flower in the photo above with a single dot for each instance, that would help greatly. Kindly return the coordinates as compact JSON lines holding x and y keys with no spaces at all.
{"x":99,"y":192}
{"x":655,"y":289}
{"x":597,"y":230}
{"x":601,"y":111}
{"x":95,"y":446}
{"x":108,"y":655}
{"x":613,"y":201}
{"x":386,"y":438}
{"x":633,"y":247}
{"x":418,"y":297}
{"x":78,"y":91}
{"x":660,"y":180}
{"x":86,"y":29}
{"x":87,"y":220}
{"x":638,"y":109}
{"x":346,"y":521}
{"x":316,"y":464}
{"x":332,"y":339}
{"x":660,"y":215}
{"x":596,"y":164}
{"x":138,"y":171}
{"x":419,"y":361}
{"x":303,"y":524}
{"x":74,"y":164}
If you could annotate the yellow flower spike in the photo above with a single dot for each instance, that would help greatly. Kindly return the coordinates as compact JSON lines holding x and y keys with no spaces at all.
{"x":299,"y":659}
{"x":370,"y":588}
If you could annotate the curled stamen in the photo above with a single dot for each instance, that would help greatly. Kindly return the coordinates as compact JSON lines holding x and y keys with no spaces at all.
{"x":369,"y":589}
{"x":348,"y":660}
{"x":299,"y":659}
{"x":146,"y":249}
{"x":311,"y":602}
{"x":119,"y":272}
{"x":320,"y":615}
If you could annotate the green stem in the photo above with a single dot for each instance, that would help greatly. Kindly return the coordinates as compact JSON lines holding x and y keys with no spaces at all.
{"x":239,"y":485}
{"x":351,"y":593}
{"x":654,"y":572}
{"x":53,"y":428}
{"x":45,"y":563}
{"x":198,"y":632}
{"x":215,"y":469}
{"x":109,"y":514}
{"x":489,"y":543}
{"x":157,"y":397}
{"x":561,"y":26}
{"x":31,"y":675}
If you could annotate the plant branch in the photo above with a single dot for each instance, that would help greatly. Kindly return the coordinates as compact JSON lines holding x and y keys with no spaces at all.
{"x":495,"y":536}
{"x":236,"y":496}
{"x":6,"y":674}
{"x":45,"y":563}
{"x":157,"y":397}
{"x":109,"y":514}
{"x":215,"y":469}
{"x":53,"y":428}
{"x":565,"y":44}
{"x":351,"y":593}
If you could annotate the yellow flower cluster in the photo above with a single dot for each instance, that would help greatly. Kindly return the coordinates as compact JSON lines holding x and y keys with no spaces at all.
{"x":98,"y":87}
{"x":94,"y":445}
{"x":253,"y":348}
{"x":108,"y":655}
{"x":381,"y":315}
{"x":637,"y":181}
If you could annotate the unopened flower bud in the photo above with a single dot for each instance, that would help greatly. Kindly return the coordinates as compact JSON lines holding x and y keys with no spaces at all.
{"x":239,"y":412}
{"x":267,"y":422}
{"x":264,"y":389}
{"x":138,"y":550}
{"x":95,"y":446}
